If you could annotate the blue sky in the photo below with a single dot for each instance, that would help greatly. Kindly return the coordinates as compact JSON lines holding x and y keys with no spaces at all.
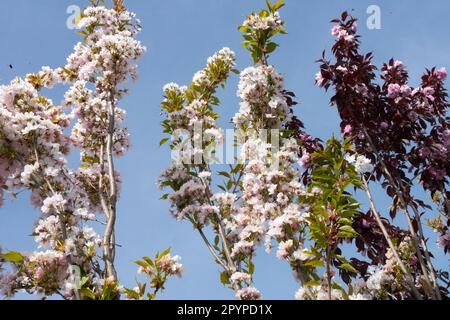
{"x":180,"y":36}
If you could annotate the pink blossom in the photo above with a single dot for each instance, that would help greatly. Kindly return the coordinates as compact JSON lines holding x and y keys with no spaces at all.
{"x":384,"y":125}
{"x":393,"y":90}
{"x":248,"y":293}
{"x":398,"y":64}
{"x":335,"y":30}
{"x":406,"y":90}
{"x":429,"y":93}
{"x":320,"y":79}
{"x":441,"y":74}
{"x":348,"y":129}
{"x":305,"y":161}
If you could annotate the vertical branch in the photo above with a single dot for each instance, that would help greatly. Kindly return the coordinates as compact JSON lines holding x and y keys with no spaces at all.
{"x":226,"y":248}
{"x":328,"y":270}
{"x":108,"y":239}
{"x":390,"y":243}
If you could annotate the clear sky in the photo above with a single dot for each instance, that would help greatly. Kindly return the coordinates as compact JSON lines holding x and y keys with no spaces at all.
{"x":180,"y":36}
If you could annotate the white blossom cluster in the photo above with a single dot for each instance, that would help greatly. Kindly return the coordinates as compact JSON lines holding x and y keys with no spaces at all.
{"x":35,"y":148}
{"x":166,"y":264}
{"x":268,"y":23}
{"x":262,"y":101}
{"x":361,"y":163}
{"x":381,"y":282}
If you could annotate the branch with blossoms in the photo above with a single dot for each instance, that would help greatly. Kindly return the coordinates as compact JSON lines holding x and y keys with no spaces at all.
{"x":158,"y":270}
{"x":34,"y":151}
{"x":190,"y":110}
{"x":291,"y":191}
{"x":260,"y":190}
{"x":395,"y":126}
{"x":285,"y":189}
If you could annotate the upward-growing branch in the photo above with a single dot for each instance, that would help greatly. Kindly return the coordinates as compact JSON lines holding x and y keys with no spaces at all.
{"x":108,"y":239}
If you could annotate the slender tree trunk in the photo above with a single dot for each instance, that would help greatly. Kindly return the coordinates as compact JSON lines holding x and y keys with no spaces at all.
{"x":111,"y":201}
{"x":390,"y":243}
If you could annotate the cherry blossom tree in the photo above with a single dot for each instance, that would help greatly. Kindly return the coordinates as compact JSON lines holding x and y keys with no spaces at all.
{"x":294,"y":192}
{"x":285,"y":189}
{"x":77,"y":262}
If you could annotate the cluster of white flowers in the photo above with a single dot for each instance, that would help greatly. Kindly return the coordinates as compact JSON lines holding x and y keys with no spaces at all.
{"x":361,"y":163}
{"x":223,"y":58}
{"x":35,"y":147}
{"x":269,"y":206}
{"x":386,"y":280}
{"x":191,"y":199}
{"x":187,"y":116}
{"x":45,"y":271}
{"x":27,"y":173}
{"x":166,"y":264}
{"x":262,"y":101}
{"x":381,"y":282}
{"x":55,"y":202}
{"x":175,"y":173}
{"x":238,"y":277}
{"x":318,"y":293}
{"x":269,"y":192}
{"x":108,"y":52}
{"x":91,"y":112}
{"x":224,"y":199}
{"x":170,"y":265}
{"x":248,"y":293}
{"x":48,"y":231}
{"x":269,"y":22}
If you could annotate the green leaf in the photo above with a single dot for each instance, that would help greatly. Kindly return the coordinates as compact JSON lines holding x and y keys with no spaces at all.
{"x":149,"y":261}
{"x":165,"y":196}
{"x":344,"y":235}
{"x":165,"y":252}
{"x":347,"y":229}
{"x":83,"y":281}
{"x":345,"y":221}
{"x":225,"y":278}
{"x":251,"y":268}
{"x":314,"y":263}
{"x":278,"y":5}
{"x":13,"y":256}
{"x":88,"y":293}
{"x":224,"y":174}
{"x":348,"y":267}
{"x":216,"y":241}
{"x":271,"y":47}
{"x":163,"y":141}
{"x":141,"y":264}
{"x":312,"y":283}
{"x":133,"y":294}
